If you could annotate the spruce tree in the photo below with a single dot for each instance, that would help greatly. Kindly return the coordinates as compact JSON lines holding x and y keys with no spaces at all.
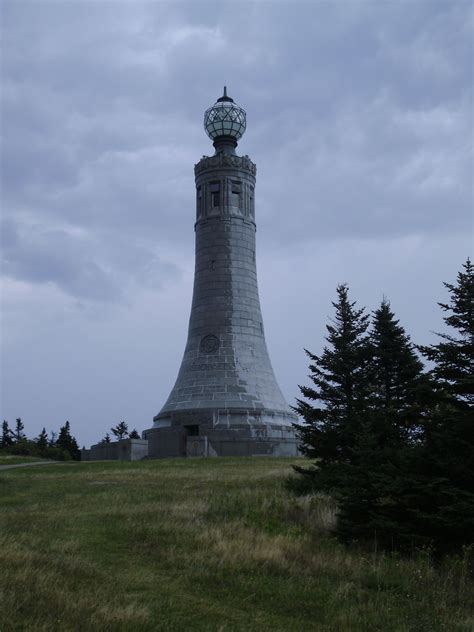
{"x":369,"y":505}
{"x":120,"y":430}
{"x":42,"y":441}
{"x":134,"y":434}
{"x":399,"y":387}
{"x":106,"y":439}
{"x":64,"y":436}
{"x":453,"y":356}
{"x":340,"y":394}
{"x":18,"y":433}
{"x":67,"y":442}
{"x":74,"y":450}
{"x":446,"y":503}
{"x":7,"y":435}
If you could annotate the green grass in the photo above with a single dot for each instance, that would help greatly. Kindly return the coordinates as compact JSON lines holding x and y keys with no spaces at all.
{"x":204,"y":544}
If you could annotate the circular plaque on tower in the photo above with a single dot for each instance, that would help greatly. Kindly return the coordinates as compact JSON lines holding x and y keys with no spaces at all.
{"x":209,"y":344}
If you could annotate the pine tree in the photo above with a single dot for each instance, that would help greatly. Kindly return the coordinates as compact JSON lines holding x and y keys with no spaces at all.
{"x":134,"y":434}
{"x":106,"y":439}
{"x":7,"y":435}
{"x":42,"y":441}
{"x":19,"y":434}
{"x":64,"y":436}
{"x":120,"y":430}
{"x":446,"y":503}
{"x":67,"y":442}
{"x":399,"y":387}
{"x":370,"y":502}
{"x":74,"y":450}
{"x":454,"y":355}
{"x":340,"y":390}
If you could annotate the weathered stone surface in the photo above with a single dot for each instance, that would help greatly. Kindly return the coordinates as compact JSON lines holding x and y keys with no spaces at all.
{"x":123,"y":450}
{"x":226,"y":390}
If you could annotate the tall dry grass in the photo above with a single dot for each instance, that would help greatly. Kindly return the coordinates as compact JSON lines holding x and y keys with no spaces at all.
{"x":202,"y":545}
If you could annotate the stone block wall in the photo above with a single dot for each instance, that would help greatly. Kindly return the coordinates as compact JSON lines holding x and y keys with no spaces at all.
{"x":124,"y":450}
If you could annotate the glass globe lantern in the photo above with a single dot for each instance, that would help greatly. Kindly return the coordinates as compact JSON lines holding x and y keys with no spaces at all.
{"x":225,"y":119}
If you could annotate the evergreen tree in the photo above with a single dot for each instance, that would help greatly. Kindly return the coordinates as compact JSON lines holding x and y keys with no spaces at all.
{"x":340,"y":391}
{"x":134,"y":434}
{"x":67,"y":442}
{"x":445,"y":507}
{"x":19,"y":434}
{"x":369,"y":503}
{"x":74,"y":450}
{"x":64,"y":436}
{"x":120,"y":430}
{"x":399,"y":388}
{"x":7,"y":435}
{"x":106,"y":439}
{"x":454,"y":354}
{"x":42,"y":441}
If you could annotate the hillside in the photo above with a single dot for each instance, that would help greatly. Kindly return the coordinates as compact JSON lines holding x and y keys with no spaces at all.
{"x":215,"y":545}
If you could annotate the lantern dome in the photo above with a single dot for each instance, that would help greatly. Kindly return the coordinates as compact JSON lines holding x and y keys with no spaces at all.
{"x":225,"y":119}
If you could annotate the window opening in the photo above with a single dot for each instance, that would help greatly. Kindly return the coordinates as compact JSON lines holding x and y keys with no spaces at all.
{"x":199,"y":201}
{"x":235,"y":191}
{"x":215,"y":194}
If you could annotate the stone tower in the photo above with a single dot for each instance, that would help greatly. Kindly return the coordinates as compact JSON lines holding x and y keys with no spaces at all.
{"x":226,"y":400}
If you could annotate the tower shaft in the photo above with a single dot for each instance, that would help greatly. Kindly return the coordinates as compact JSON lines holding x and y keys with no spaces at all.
{"x":226,"y":400}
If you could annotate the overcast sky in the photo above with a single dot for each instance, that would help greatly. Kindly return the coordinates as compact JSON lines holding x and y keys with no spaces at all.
{"x":359,"y":117}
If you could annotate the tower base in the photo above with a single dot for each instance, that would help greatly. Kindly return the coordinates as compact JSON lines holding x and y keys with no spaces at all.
{"x":222,"y":433}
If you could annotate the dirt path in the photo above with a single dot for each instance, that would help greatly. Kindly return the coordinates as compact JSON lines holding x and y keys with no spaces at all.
{"x":9,"y":467}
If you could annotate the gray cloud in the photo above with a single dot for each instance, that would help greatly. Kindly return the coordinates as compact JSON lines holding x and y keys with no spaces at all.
{"x":359,"y":119}
{"x":79,"y":263}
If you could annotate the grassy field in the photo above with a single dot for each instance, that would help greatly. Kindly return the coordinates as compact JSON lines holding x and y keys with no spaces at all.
{"x":204,"y":544}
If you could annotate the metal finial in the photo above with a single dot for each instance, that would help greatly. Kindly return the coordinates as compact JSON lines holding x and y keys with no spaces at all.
{"x":224,"y":97}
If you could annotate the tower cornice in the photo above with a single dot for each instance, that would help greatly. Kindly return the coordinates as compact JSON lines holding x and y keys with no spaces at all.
{"x":222,"y":160}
